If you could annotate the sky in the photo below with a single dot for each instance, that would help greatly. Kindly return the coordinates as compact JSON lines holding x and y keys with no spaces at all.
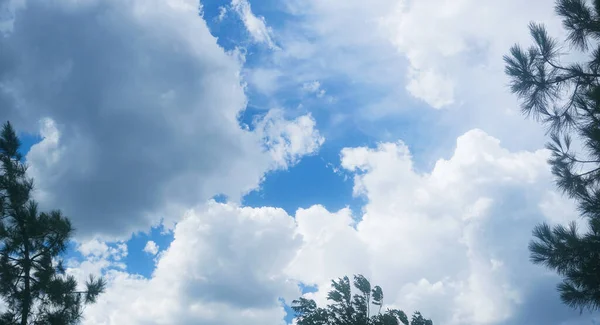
{"x":219,"y":159}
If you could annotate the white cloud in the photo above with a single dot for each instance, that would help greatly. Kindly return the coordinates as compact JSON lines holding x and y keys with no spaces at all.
{"x":314,"y":87}
{"x":451,"y":243}
{"x":138,"y":124}
{"x":222,"y":13}
{"x":434,"y":89}
{"x":385,"y":53}
{"x":255,"y":25}
{"x":288,"y":141}
{"x":151,"y":248}
{"x":265,"y":80}
{"x":223,"y":267}
{"x":444,"y":42}
{"x":98,"y":257}
{"x":451,"y":39}
{"x":168,"y":136}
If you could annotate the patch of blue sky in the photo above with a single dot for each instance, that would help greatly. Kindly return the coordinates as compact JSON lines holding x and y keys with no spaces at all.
{"x":137,"y":260}
{"x":71,"y":253}
{"x":229,"y":30}
{"x":275,"y":11}
{"x":28,"y":140}
{"x":359,"y":116}
{"x":337,"y":113}
{"x":352,"y":112}
{"x":312,"y":181}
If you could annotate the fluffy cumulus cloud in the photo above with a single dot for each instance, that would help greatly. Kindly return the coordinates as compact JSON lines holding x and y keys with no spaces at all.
{"x":98,"y":256}
{"x":288,"y":141}
{"x":151,"y":248}
{"x":139,"y":111}
{"x":451,"y":243}
{"x":448,"y":43}
{"x":224,"y":266}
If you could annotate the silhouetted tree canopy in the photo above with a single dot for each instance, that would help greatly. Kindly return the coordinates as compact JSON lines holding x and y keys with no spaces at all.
{"x":33,"y":283}
{"x":565,"y":97}
{"x":362,"y":308}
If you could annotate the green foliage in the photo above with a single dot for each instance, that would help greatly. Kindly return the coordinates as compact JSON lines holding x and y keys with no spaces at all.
{"x":33,"y":282}
{"x":566,"y":99}
{"x":348,"y":309}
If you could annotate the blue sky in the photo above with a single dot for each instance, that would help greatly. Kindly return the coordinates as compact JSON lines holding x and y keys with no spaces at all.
{"x":217,"y":164}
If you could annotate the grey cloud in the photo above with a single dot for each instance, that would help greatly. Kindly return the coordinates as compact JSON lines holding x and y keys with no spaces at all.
{"x":146,"y":105}
{"x":542,"y":306}
{"x":505,"y":235}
